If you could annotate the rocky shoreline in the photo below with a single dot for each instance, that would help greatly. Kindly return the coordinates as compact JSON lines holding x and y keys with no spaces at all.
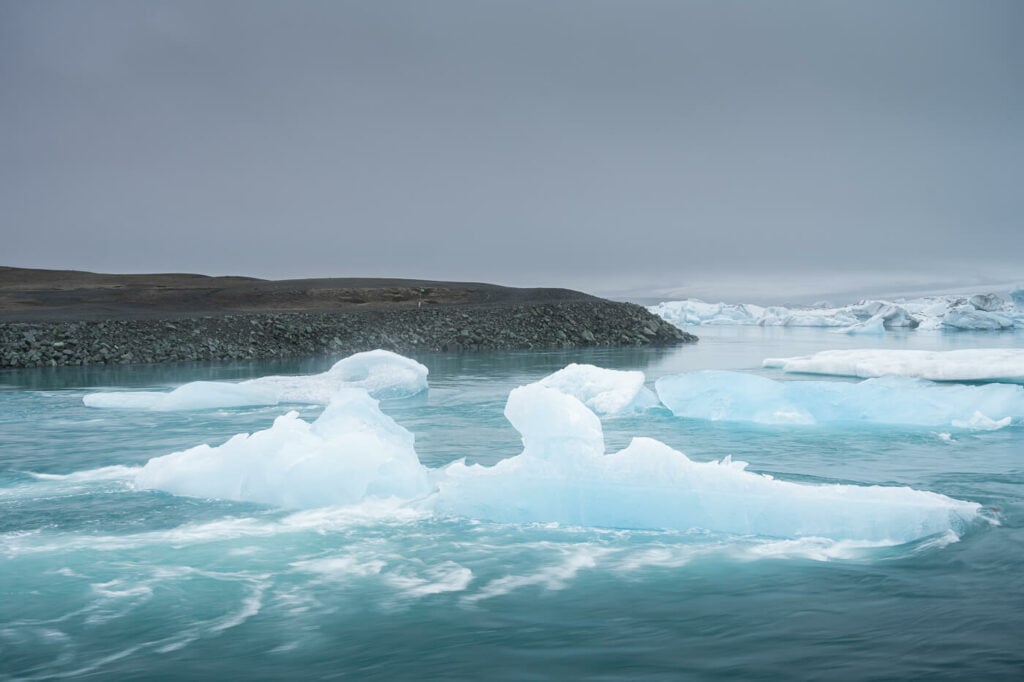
{"x":264,"y":335}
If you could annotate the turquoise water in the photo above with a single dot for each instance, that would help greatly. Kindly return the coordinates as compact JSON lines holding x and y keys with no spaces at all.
{"x":100,"y":580}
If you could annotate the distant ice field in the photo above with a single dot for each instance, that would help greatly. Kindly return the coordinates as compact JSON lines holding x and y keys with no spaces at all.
{"x":996,"y":311}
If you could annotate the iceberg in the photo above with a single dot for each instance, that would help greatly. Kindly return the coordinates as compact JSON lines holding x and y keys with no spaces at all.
{"x":970,"y":317}
{"x":353,"y":456}
{"x":980,"y":312}
{"x":564,"y":476}
{"x":605,"y":391}
{"x":351,"y":453}
{"x":981,"y":364}
{"x":382,"y":373}
{"x":697,"y":312}
{"x":873,"y":326}
{"x":740,"y":397}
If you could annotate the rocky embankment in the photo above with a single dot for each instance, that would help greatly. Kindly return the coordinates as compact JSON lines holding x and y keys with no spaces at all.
{"x":569,"y":324}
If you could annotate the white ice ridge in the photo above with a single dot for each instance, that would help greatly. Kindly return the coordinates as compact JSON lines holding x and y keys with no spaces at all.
{"x":353,"y":455}
{"x":605,"y":391}
{"x":350,"y":453}
{"x":966,"y":312}
{"x":740,"y":397}
{"x":976,"y":364}
{"x":382,"y":373}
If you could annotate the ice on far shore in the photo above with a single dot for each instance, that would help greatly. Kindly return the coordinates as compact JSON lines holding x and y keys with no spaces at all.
{"x":980,"y":312}
{"x":382,"y":373}
{"x":980,"y":364}
{"x":605,"y":391}
{"x":740,"y":397}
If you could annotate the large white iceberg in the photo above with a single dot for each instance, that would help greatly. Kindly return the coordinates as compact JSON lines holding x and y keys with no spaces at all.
{"x":382,"y":373}
{"x":351,"y":453}
{"x":740,"y":397}
{"x":980,"y":312}
{"x":564,"y":476}
{"x":976,"y":364}
{"x":605,"y":391}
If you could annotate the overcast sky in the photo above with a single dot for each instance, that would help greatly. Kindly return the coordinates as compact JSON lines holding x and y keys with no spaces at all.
{"x":604,"y":145}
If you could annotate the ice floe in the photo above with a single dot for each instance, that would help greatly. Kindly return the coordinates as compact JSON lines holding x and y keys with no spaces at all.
{"x":564,"y":476}
{"x":382,"y":373}
{"x":605,"y":391}
{"x":740,"y":397}
{"x":976,"y":364}
{"x":350,"y":453}
{"x":980,"y":312}
{"x":353,"y":455}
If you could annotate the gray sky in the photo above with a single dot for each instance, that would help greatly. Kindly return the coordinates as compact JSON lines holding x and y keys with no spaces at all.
{"x":604,"y":145}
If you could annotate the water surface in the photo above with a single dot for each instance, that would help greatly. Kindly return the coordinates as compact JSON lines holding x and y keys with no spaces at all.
{"x":101,"y":580}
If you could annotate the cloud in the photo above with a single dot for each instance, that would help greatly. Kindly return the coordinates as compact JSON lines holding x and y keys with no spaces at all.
{"x":528,"y":142}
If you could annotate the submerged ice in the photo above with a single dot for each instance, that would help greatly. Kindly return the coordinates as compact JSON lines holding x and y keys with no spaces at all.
{"x":353,"y":455}
{"x":976,"y":364}
{"x":740,"y":397}
{"x":382,"y":373}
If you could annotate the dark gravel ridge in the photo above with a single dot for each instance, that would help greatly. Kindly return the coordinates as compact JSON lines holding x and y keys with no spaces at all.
{"x":564,"y":324}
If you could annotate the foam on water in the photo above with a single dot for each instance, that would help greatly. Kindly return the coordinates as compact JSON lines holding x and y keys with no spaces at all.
{"x":741,"y":397}
{"x":382,"y":373}
{"x":976,"y":364}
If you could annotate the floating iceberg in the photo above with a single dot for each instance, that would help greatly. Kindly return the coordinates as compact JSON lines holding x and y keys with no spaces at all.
{"x":564,"y":476}
{"x":739,"y":397}
{"x":982,"y":364}
{"x":382,"y":373}
{"x":980,"y":312}
{"x":351,"y":453}
{"x":605,"y":391}
{"x":354,"y":455}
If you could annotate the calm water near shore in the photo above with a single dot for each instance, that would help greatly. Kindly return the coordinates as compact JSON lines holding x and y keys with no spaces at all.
{"x":98,"y":579}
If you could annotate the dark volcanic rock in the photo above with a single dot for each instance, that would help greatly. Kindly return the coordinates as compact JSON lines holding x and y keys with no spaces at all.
{"x":565,"y":324}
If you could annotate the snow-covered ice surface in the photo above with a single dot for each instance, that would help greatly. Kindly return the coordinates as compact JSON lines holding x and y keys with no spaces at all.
{"x":741,"y":397}
{"x":979,"y":312}
{"x":382,"y":373}
{"x":974,"y":364}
